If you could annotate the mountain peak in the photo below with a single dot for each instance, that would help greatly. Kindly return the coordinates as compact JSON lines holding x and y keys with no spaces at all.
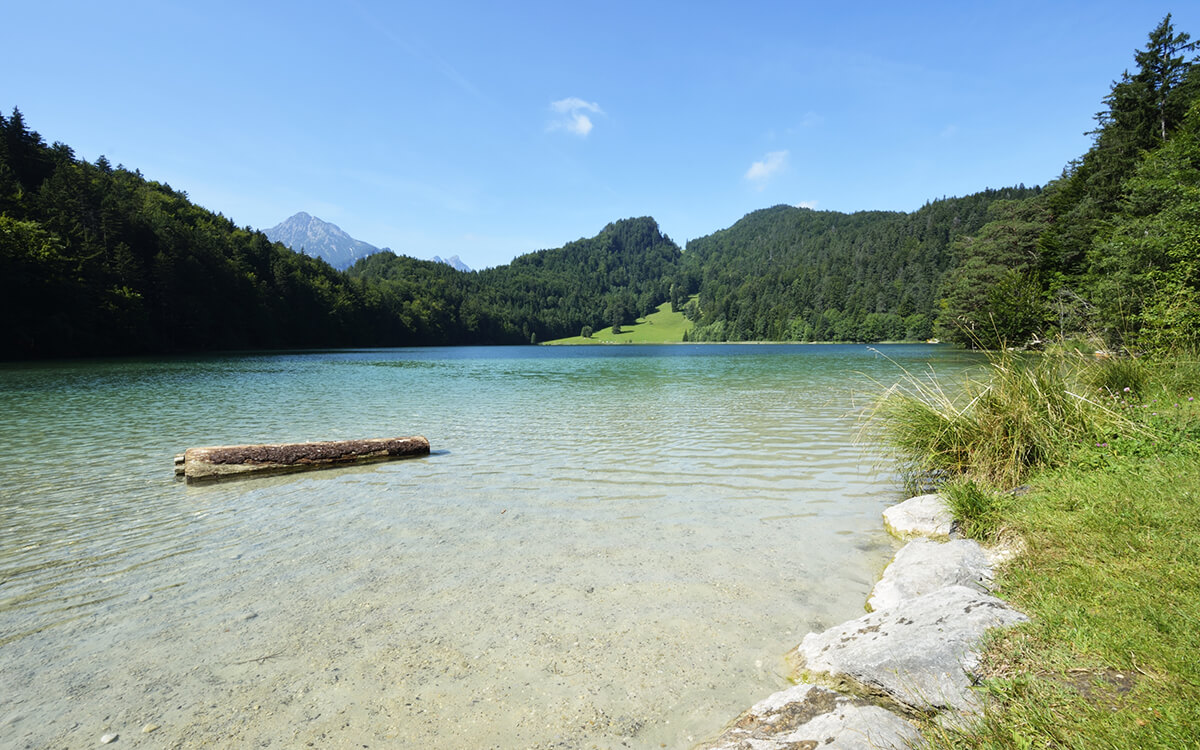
{"x":454,"y":262}
{"x":310,"y":235}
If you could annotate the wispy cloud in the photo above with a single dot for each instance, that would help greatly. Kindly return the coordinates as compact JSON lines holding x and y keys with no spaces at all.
{"x":761,"y":171}
{"x":573,"y":115}
{"x":420,"y":52}
{"x":807,"y":204}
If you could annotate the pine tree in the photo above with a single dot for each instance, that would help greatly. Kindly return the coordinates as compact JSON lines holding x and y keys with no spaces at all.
{"x":1163,"y":69}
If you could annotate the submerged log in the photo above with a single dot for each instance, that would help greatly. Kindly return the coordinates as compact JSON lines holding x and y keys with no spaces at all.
{"x":222,"y":461}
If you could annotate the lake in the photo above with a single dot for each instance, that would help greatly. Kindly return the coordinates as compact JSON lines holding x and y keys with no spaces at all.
{"x":609,"y":547}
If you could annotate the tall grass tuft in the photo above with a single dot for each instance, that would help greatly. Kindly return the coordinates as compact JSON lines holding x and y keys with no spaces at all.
{"x":1122,"y":375}
{"x":1024,"y":412}
{"x":977,"y":508}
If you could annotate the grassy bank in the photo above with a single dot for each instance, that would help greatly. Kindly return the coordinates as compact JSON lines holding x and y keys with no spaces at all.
{"x":661,"y":327}
{"x":1108,"y":453}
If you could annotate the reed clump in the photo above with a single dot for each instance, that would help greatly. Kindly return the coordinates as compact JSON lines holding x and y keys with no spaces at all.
{"x":1021,"y":413}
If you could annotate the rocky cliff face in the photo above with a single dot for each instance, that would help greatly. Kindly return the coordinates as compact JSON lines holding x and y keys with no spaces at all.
{"x":320,"y":239}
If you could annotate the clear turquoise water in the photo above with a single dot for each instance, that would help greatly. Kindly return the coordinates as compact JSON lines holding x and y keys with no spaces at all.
{"x":609,"y":545}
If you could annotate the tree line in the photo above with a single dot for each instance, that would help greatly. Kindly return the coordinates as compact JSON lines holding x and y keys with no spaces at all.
{"x":795,"y":274}
{"x":99,"y":260}
{"x":1110,"y":248}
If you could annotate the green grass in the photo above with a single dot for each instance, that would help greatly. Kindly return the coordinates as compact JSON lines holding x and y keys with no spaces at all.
{"x":1111,"y":579}
{"x":1023,"y":413}
{"x":662,"y":327}
{"x":978,"y":508}
{"x":1110,"y":568}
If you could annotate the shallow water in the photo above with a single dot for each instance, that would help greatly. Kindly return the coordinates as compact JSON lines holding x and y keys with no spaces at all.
{"x":610,"y":546}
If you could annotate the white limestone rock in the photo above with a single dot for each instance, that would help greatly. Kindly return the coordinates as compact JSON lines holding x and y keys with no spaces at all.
{"x":923,"y":515}
{"x":812,"y":716}
{"x":922,"y":567}
{"x":919,"y":654}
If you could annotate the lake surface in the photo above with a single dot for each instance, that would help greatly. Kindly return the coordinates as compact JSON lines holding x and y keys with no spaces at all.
{"x":610,"y":547}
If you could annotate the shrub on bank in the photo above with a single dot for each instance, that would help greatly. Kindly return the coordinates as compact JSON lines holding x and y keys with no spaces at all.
{"x":1022,"y":413}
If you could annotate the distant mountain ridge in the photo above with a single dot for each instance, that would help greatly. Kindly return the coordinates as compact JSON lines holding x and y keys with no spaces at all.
{"x":320,"y":239}
{"x":317,"y":238}
{"x":454,"y":262}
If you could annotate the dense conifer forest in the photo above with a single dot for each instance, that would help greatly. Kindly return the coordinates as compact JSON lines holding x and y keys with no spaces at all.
{"x":97,"y":259}
{"x":793,"y":274}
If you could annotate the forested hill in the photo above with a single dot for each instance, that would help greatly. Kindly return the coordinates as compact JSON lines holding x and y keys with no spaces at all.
{"x":618,"y":275}
{"x":1110,"y":249}
{"x":97,"y":260}
{"x":794,"y":274}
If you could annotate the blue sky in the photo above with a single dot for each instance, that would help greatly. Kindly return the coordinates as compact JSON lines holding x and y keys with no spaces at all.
{"x":488,"y":130}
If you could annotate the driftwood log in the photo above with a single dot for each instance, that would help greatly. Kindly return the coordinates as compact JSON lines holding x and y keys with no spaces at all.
{"x":224,"y":461}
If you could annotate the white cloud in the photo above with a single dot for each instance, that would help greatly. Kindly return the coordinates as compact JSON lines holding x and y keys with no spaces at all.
{"x":574,"y":118}
{"x":580,"y":124}
{"x":760,"y":171}
{"x":807,"y":204}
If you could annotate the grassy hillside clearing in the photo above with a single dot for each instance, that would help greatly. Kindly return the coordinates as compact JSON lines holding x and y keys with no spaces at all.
{"x":662,"y":327}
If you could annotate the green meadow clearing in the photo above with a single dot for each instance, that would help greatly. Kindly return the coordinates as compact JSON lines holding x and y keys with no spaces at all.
{"x":662,"y":327}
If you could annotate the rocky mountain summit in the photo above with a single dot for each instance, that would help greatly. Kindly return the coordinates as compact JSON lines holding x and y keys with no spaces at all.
{"x":309,"y":235}
{"x":312,"y":236}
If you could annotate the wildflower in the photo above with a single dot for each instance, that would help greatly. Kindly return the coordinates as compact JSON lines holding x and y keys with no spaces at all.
{"x":1127,"y":389}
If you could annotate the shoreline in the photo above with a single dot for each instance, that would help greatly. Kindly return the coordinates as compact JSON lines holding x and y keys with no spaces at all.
{"x":879,"y":677}
{"x":764,"y":342}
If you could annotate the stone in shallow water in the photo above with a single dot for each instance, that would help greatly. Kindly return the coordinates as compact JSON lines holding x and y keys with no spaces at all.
{"x":923,"y":566}
{"x":808,"y":716}
{"x":923,"y":515}
{"x":918,"y":654}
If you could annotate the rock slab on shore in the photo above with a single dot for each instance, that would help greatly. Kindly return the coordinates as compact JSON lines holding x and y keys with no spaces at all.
{"x":918,"y":655}
{"x":924,"y":566}
{"x":913,"y":657}
{"x":923,"y":515}
{"x":808,"y":716}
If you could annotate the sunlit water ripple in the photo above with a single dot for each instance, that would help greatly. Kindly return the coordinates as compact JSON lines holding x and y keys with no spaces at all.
{"x":609,"y":545}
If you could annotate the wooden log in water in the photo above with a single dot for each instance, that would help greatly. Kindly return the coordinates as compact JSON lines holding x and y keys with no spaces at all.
{"x":223,"y":461}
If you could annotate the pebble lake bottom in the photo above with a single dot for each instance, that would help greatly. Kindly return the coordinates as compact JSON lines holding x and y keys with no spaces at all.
{"x":610,"y":546}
